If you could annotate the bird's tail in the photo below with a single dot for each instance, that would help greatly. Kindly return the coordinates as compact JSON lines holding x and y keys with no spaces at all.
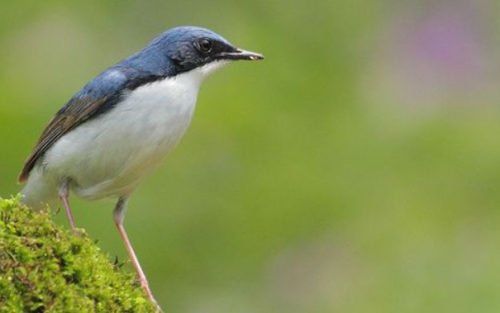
{"x":39,"y":191}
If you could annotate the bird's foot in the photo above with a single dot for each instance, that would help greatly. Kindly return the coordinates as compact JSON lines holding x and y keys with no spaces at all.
{"x":77,"y":232}
{"x":156,"y":305}
{"x":147,"y":290}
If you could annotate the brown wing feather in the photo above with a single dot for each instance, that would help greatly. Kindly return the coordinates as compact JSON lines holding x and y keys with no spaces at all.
{"x":74,"y":113}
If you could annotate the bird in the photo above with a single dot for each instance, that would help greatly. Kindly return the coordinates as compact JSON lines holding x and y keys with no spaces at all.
{"x":123,"y":123}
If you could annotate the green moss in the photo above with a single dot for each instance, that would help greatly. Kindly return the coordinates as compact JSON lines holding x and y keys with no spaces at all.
{"x":44,"y":268}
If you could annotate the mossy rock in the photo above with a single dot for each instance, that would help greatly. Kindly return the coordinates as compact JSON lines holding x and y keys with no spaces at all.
{"x":44,"y":268}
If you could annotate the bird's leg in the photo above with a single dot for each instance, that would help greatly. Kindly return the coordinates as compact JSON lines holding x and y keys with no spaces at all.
{"x":64,"y":195}
{"x":119,"y":215}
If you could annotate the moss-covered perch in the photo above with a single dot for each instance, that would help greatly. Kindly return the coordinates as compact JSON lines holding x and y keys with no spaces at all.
{"x":44,"y":268}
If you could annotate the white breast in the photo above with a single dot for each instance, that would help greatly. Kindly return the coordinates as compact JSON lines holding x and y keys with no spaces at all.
{"x":108,"y":156}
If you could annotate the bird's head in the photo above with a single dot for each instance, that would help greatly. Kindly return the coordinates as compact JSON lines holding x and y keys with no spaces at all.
{"x":191,"y":47}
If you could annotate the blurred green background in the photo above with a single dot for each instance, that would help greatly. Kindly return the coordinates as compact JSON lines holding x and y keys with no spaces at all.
{"x":356,"y":169}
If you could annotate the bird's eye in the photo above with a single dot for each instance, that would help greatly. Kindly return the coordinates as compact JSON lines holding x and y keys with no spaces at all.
{"x":205,"y":45}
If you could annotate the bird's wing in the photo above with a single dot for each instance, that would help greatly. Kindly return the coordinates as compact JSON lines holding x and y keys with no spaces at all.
{"x":100,"y":95}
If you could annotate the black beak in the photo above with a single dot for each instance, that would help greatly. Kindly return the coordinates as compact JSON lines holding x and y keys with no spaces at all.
{"x":239,"y":54}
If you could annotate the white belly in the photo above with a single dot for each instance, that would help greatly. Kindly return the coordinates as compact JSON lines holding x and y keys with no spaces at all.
{"x":108,"y":156}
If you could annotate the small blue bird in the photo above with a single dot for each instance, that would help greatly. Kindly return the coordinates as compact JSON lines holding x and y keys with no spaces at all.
{"x":123,"y":123}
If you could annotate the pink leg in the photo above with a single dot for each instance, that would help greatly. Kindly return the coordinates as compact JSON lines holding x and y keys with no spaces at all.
{"x":119,"y":215}
{"x":64,"y":195}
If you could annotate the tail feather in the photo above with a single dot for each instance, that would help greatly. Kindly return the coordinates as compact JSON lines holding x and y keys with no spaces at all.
{"x":39,"y":191}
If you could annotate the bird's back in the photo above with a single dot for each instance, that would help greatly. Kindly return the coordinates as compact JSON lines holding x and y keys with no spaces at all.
{"x":109,"y":155}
